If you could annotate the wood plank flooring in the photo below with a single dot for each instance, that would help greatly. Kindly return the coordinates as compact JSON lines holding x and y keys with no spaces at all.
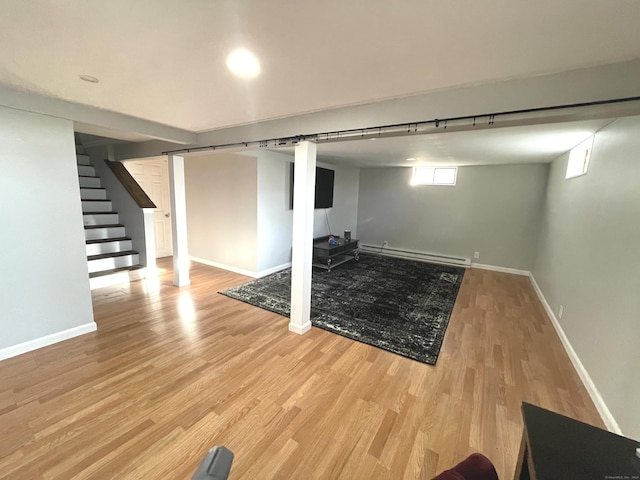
{"x":173,"y":371}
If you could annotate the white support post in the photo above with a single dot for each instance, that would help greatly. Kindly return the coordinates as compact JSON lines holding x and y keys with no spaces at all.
{"x":149,"y":240}
{"x":178,"y":221}
{"x":302,"y":248}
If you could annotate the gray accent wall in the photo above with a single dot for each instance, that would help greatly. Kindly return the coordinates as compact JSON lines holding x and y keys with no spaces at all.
{"x":494,"y":210}
{"x":221,"y":193}
{"x":588,"y":262}
{"x":44,"y":286}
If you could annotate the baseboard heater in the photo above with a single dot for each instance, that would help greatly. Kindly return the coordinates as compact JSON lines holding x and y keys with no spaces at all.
{"x":413,"y":255}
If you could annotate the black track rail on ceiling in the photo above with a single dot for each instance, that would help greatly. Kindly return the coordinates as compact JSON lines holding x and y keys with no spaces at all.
{"x":411,"y":127}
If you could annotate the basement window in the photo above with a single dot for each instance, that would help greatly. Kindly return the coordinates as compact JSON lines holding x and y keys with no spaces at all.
{"x":434,"y":176}
{"x":579,"y":159}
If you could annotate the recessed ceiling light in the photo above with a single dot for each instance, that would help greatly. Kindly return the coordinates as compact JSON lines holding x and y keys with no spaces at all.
{"x":89,"y":78}
{"x":411,"y":159}
{"x":243,"y":63}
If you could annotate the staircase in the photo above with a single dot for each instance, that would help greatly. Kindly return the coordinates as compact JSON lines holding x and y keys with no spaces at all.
{"x":110,"y":255}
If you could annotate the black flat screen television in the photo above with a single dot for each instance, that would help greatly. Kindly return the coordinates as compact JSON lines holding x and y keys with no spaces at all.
{"x":324,"y":187}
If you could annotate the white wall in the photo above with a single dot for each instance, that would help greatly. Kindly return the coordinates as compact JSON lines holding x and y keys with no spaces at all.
{"x":44,"y":286}
{"x":494,"y":210}
{"x":588,"y":262}
{"x":221,"y":193}
{"x":275,"y":219}
{"x":239,"y":209}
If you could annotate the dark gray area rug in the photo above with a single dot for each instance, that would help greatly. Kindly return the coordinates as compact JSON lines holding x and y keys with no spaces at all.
{"x":399,"y":305}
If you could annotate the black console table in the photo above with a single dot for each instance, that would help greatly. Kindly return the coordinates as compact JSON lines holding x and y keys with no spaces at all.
{"x":555,"y":447}
{"x":329,"y":256}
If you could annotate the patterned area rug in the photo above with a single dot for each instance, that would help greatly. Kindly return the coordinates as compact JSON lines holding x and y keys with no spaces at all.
{"x":399,"y":305}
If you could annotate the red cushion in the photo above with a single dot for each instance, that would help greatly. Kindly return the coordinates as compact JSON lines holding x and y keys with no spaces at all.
{"x":449,"y":475}
{"x":474,"y":467}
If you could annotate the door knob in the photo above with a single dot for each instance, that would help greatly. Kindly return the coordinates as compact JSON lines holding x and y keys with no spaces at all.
{"x":167,"y":215}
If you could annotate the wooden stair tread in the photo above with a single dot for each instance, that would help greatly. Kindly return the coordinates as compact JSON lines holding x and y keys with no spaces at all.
{"x":112,"y":254}
{"x":105,"y":240}
{"x":115,"y":270}
{"x":99,"y":213}
{"x":109,"y":225}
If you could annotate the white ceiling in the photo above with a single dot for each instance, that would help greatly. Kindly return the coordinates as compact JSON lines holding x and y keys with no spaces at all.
{"x":164,"y":60}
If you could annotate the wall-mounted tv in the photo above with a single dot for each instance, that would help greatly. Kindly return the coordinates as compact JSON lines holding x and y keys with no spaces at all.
{"x":324,"y":187}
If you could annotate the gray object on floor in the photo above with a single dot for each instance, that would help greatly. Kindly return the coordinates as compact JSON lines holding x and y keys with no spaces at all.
{"x":215,"y":466}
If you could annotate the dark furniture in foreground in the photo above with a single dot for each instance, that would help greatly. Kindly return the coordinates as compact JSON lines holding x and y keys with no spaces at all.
{"x":329,"y":256}
{"x":558,"y":447}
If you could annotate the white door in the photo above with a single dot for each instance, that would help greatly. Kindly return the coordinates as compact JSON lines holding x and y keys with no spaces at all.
{"x":153,"y":177}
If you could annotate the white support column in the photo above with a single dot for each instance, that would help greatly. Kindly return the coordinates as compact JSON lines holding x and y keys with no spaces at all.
{"x":178,"y":221}
{"x":149,"y":240}
{"x":301,"y":256}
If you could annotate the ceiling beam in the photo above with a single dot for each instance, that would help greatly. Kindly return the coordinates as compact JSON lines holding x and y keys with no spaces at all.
{"x":612,"y":108}
{"x":94,"y":117}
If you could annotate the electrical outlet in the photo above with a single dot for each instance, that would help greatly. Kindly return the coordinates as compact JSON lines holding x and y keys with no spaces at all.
{"x":385,"y":243}
{"x":476,"y":255}
{"x":560,"y":311}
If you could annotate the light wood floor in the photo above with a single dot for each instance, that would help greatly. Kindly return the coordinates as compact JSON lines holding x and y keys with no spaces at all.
{"x":171,"y":372}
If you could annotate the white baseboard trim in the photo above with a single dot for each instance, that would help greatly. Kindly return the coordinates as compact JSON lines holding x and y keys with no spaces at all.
{"x":277,"y":268}
{"x":19,"y":349}
{"x":597,"y":399}
{"x":494,"y":268}
{"x":241,"y":271}
{"x":299,"y":329}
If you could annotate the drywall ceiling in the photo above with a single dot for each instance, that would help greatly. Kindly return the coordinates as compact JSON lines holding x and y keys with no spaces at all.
{"x":164,"y":60}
